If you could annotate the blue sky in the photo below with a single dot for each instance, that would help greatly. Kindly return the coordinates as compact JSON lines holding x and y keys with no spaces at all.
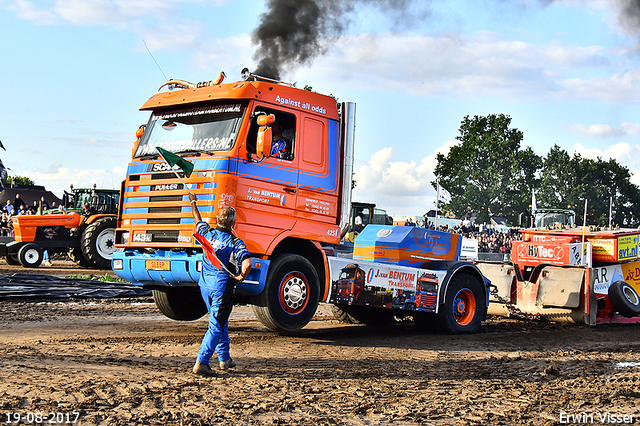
{"x":75,"y":73}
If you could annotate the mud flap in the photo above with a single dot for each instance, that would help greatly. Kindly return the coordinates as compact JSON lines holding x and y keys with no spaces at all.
{"x":502,"y":275}
{"x":568,"y":288}
{"x":560,"y":287}
{"x":590,"y":301}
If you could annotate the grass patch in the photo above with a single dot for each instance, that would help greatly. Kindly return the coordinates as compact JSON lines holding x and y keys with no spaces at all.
{"x":106,"y":277}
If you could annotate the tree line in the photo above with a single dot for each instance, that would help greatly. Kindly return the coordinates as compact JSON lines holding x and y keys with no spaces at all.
{"x":488,"y":173}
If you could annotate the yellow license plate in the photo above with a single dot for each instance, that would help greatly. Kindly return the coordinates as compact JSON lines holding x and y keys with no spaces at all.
{"x":158,"y":265}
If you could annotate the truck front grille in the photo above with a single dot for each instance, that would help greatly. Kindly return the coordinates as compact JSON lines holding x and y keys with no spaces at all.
{"x":162,"y":221}
{"x":165,"y":209}
{"x":169,"y":175}
{"x":164,"y":236}
{"x":164,"y":198}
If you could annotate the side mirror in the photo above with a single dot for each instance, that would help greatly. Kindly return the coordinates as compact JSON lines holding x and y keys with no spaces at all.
{"x":265,"y":138}
{"x":139,"y":134}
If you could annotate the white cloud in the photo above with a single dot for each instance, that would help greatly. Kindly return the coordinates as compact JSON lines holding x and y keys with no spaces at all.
{"x":466,"y":66}
{"x":30,"y":12}
{"x":230,"y":55}
{"x":625,"y":154}
{"x":156,"y":21}
{"x":400,"y":187}
{"x":57,"y":178}
{"x":607,"y":130}
{"x":618,"y":87}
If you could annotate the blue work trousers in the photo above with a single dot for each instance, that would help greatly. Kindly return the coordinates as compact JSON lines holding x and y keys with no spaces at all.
{"x":219,"y":301}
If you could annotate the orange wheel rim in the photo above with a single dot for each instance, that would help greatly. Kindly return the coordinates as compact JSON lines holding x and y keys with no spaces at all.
{"x":464,"y":306}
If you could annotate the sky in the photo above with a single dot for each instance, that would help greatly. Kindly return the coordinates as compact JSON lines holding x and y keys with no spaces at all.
{"x":567,"y":72}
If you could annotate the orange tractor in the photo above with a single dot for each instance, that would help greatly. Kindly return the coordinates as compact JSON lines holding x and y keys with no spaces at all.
{"x":86,"y":234}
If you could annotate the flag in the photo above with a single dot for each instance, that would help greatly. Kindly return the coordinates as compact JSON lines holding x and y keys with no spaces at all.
{"x":533,"y":200}
{"x":210,"y":253}
{"x":173,"y":159}
{"x":443,"y":195}
{"x":612,"y":210}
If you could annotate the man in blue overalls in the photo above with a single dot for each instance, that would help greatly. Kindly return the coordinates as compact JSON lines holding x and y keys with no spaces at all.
{"x":216,"y":285}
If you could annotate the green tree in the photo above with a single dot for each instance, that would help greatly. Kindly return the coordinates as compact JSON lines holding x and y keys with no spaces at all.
{"x":567,"y":181}
{"x":488,"y":173}
{"x":19,"y":180}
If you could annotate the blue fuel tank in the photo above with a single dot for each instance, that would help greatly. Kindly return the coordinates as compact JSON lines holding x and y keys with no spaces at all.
{"x":406,"y":245}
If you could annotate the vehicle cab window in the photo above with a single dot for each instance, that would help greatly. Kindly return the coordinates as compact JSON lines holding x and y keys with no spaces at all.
{"x":283,"y":131}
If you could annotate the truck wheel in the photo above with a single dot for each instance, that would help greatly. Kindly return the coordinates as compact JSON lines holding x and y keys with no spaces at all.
{"x":625,"y":299}
{"x":291,"y":294}
{"x":98,"y":242}
{"x":12,"y":259}
{"x":30,"y":255}
{"x":180,"y":303}
{"x":75,"y":254}
{"x":463,"y":306}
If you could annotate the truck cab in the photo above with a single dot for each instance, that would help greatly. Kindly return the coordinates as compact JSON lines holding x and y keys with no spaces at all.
{"x":287,"y":206}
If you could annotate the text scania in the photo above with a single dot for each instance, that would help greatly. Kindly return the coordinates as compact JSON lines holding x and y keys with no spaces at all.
{"x":298,"y":104}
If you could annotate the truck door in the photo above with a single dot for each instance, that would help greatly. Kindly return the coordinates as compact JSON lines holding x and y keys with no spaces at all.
{"x":318,"y":155}
{"x":268,"y":188}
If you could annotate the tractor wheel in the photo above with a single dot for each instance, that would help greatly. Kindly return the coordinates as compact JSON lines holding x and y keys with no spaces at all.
{"x":98,"y":242}
{"x":75,"y":254}
{"x":180,"y":303}
{"x":291,"y":294}
{"x":462,"y":310}
{"x":12,"y":259}
{"x":625,"y":299}
{"x":30,"y":255}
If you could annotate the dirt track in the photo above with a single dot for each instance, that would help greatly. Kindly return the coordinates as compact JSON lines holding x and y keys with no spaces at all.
{"x":122,"y":363}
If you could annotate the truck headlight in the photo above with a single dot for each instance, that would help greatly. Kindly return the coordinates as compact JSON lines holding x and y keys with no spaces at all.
{"x":117,"y":264}
{"x":199,"y":266}
{"x":124,"y":238}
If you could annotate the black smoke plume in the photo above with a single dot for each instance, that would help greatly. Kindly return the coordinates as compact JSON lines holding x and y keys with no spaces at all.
{"x":294,"y":32}
{"x":630,"y":15}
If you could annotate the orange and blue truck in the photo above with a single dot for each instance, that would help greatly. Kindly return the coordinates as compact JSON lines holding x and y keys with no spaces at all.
{"x":291,"y":210}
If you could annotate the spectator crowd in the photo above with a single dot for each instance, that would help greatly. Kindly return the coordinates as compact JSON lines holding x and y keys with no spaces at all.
{"x":490,"y":239}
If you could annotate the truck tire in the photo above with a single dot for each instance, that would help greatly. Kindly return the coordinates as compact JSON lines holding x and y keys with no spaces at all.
{"x":75,"y":254}
{"x":462,"y":311}
{"x":30,"y":255}
{"x":180,"y":303}
{"x":291,"y":294}
{"x":624,"y":299}
{"x":12,"y":259}
{"x":98,"y":242}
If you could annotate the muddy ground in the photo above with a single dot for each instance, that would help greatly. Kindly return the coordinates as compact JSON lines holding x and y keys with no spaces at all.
{"x":119,"y":362}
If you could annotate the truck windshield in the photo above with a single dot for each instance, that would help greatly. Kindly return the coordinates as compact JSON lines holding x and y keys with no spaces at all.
{"x":192,"y":130}
{"x":347,"y":274}
{"x":544,"y":219}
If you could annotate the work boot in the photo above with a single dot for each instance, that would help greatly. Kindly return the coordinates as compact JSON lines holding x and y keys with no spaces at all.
{"x":203,"y":370}
{"x":225,"y":365}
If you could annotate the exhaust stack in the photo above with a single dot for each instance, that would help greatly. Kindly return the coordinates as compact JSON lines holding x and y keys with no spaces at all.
{"x":348,"y":133}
